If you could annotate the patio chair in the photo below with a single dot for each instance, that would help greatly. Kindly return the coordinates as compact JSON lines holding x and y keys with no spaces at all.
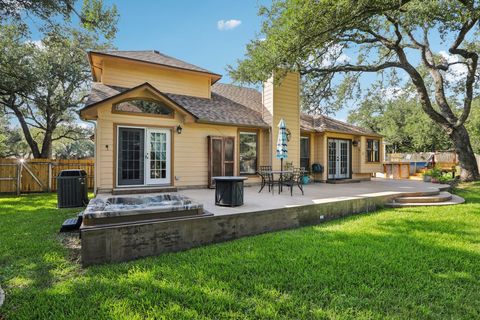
{"x":263,"y":172}
{"x":295,"y":178}
{"x":288,"y":166}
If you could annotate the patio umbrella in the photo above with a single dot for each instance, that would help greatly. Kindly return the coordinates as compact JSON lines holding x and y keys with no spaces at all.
{"x":282,"y":152}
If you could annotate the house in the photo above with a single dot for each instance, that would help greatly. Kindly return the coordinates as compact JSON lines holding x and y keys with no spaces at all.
{"x":163,"y":122}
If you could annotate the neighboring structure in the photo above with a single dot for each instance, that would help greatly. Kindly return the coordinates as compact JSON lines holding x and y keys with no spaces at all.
{"x":164,"y":122}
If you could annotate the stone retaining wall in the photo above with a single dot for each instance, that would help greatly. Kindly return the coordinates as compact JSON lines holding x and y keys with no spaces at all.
{"x":123,"y":242}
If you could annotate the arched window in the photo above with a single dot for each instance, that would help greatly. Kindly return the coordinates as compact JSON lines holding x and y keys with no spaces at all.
{"x":143,"y":106}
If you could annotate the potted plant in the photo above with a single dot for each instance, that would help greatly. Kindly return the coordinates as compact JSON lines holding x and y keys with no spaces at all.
{"x":436,"y":174}
{"x":427,"y":176}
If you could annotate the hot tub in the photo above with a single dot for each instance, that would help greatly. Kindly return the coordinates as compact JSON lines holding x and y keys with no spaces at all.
{"x":109,"y":209}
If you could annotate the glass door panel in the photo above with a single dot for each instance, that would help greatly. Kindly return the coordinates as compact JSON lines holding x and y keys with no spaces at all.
{"x":130,"y":154}
{"x":158,"y":156}
{"x":338,"y":159}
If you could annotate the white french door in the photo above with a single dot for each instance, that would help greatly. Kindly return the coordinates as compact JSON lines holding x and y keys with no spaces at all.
{"x":338,"y":159}
{"x":157,"y":156}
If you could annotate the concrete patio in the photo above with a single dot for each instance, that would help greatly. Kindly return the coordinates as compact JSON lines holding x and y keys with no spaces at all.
{"x":316,"y":193}
{"x":262,"y":212}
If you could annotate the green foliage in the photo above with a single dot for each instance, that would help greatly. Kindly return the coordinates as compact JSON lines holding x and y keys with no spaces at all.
{"x":401,"y":120}
{"x":473,"y":126}
{"x":45,"y":83}
{"x":434,"y":172}
{"x":93,"y":16}
{"x":411,"y":263}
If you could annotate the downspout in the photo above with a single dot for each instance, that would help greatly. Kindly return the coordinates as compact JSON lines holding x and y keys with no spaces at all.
{"x":94,"y":123}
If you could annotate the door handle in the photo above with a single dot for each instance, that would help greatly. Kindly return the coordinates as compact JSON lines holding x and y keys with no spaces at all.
{"x":146,"y":156}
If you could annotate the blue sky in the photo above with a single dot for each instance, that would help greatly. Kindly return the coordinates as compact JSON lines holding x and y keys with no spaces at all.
{"x":188,"y":29}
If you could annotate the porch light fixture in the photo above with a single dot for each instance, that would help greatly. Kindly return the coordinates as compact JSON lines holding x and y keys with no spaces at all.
{"x":289,"y":134}
{"x":355,"y":143}
{"x":179,"y":129}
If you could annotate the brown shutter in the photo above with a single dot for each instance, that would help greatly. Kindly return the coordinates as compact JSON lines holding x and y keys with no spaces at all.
{"x":221,"y":157}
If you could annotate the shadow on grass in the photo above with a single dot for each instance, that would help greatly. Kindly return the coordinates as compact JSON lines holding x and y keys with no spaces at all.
{"x":403,"y":264}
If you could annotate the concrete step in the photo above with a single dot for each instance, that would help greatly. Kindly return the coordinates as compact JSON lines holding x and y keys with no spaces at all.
{"x":440,"y":197}
{"x":421,"y":193}
{"x":455,"y":200}
{"x":341,"y":181}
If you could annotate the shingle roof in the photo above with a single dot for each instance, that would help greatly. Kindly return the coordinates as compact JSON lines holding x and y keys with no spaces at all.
{"x":230,"y":104}
{"x":321,"y":123}
{"x":249,"y":97}
{"x":153,"y":56}
{"x":218,"y":109}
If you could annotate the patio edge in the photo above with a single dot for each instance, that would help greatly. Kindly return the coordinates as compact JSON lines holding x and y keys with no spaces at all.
{"x":117,"y":243}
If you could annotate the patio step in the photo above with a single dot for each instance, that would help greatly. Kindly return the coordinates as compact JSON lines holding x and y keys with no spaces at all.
{"x":341,"y":181}
{"x":139,"y":190}
{"x":442,"y":199}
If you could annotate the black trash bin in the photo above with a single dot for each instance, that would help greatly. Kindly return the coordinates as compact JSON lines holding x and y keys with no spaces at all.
{"x":72,"y":189}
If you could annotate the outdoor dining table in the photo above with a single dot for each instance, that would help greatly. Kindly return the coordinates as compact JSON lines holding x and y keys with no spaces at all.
{"x":281,"y":173}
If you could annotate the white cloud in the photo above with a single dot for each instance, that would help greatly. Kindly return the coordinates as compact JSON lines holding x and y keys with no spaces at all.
{"x":224,"y":25}
{"x":455,"y":72}
{"x":37,"y":43}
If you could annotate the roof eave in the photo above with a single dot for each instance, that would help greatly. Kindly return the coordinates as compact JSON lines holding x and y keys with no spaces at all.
{"x":203,"y":121}
{"x":215,"y":76}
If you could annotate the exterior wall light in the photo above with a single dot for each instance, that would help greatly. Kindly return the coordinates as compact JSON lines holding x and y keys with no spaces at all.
{"x":355,"y":143}
{"x":179,"y":129}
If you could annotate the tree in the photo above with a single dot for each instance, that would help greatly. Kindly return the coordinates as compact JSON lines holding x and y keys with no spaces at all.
{"x":43,"y":85}
{"x":93,"y":15}
{"x":78,"y":149}
{"x":311,"y":37}
{"x":400,"y":119}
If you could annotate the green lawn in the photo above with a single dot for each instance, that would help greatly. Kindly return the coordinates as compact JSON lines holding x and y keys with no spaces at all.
{"x":402,"y":263}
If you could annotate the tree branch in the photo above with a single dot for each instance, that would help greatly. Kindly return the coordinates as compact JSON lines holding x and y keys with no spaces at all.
{"x":349,"y":68}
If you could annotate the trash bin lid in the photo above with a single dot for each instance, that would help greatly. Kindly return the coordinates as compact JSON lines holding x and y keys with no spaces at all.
{"x":72,"y":173}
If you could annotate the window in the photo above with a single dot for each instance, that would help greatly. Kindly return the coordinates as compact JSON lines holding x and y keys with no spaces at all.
{"x":373,"y":150}
{"x":248,"y":152}
{"x":143,"y":106}
{"x":305,"y":153}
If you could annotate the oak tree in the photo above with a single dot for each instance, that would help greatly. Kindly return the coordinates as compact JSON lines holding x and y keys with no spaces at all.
{"x":312,"y":37}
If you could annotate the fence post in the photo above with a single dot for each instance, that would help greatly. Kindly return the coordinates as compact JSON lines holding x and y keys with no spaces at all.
{"x":49,"y":177}
{"x":19,"y":177}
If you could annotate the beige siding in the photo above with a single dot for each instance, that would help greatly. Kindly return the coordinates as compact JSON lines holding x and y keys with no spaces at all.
{"x":286,"y":105}
{"x":267,"y":95}
{"x":366,"y":167}
{"x":190,"y":152}
{"x":264,"y":157}
{"x":128,"y":75}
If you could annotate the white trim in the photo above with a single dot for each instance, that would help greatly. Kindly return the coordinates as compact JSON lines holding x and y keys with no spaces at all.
{"x":169,"y":151}
{"x":149,"y":181}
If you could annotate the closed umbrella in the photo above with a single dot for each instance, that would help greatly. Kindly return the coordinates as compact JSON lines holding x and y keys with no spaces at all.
{"x":282,"y":152}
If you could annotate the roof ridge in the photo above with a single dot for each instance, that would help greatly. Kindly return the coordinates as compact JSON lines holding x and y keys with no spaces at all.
{"x":236,"y":86}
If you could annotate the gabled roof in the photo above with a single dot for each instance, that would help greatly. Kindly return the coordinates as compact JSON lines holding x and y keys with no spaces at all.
{"x":101,"y":93}
{"x":219,"y":109}
{"x":154,"y":57}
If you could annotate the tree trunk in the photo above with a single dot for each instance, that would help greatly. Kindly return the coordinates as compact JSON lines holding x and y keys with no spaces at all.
{"x":466,"y":156}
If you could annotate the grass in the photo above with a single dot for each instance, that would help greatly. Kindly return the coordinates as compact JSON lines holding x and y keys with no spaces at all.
{"x":419,"y":263}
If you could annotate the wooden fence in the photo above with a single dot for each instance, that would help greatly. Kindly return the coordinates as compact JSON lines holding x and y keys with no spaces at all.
{"x":38,"y":175}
